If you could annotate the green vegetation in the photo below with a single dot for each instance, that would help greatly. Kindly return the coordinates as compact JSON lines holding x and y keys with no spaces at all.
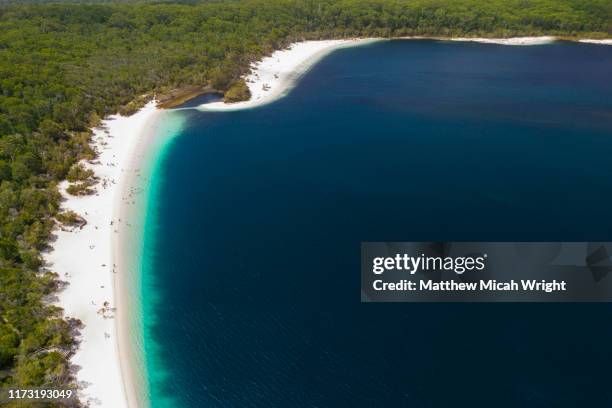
{"x":70,"y":219}
{"x":238,"y":91}
{"x":65,"y":66}
{"x":82,"y":180}
{"x":78,"y":172}
{"x":80,"y":189}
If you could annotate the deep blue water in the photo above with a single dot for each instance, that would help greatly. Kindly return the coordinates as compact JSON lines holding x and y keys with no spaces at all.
{"x":260,"y":215}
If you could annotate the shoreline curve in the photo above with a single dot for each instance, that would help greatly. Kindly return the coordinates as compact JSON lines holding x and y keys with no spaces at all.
{"x":122,"y":143}
{"x":274,"y":76}
{"x":85,"y":259}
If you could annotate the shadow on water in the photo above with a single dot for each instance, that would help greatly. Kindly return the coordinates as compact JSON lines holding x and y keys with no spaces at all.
{"x":199,"y":100}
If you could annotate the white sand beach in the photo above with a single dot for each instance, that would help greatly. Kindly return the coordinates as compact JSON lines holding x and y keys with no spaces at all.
{"x":602,"y":42}
{"x":85,"y":259}
{"x":274,"y":76}
{"x":91,"y":259}
{"x":510,"y":41}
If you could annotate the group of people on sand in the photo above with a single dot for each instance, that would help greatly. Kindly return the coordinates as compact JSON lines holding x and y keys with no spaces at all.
{"x":106,"y":311}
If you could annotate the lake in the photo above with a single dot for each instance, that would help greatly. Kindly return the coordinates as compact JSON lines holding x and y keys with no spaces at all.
{"x":250,"y":271}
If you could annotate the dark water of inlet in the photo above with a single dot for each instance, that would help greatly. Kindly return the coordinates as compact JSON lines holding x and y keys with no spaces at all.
{"x":259,"y":215}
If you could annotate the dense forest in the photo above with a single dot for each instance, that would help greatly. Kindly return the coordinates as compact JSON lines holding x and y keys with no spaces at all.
{"x":64,"y":66}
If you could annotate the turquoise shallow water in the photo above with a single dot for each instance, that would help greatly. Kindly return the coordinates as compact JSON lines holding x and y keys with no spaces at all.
{"x":250,"y":265}
{"x":137,"y":245}
{"x":173,"y":122}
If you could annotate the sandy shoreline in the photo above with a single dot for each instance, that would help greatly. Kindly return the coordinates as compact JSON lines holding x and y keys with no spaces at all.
{"x":601,"y":42}
{"x":275,"y":75}
{"x":511,"y":41}
{"x":86,"y":258}
{"x":529,"y":40}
